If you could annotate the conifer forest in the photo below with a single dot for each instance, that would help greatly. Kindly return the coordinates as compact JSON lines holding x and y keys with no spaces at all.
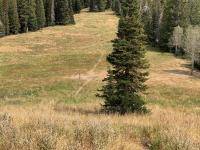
{"x":99,"y":74}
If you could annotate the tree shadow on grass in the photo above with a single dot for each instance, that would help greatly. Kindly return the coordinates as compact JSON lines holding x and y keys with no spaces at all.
{"x":187,"y":65}
{"x":196,"y":73}
{"x":78,"y":109}
{"x":179,"y":72}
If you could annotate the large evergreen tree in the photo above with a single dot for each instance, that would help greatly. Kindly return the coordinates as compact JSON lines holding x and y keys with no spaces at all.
{"x":40,"y":13}
{"x":13,"y":17}
{"x":49,"y":6}
{"x":4,"y":16}
{"x":63,"y":12}
{"x":125,"y":81}
{"x":76,"y":4}
{"x":171,"y":19}
{"x":32,"y":19}
{"x":23,"y":11}
{"x":116,"y":7}
{"x":97,"y":5}
{"x":194,"y":12}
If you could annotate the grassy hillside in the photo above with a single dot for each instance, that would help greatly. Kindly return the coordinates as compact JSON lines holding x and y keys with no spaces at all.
{"x":47,"y":93}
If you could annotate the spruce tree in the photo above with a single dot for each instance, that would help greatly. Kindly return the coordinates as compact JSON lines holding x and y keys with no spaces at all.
{"x":23,"y":11}
{"x":147,"y":20}
{"x":71,"y":13}
{"x":4,"y":17}
{"x":63,"y":12}
{"x":49,"y":6}
{"x":194,"y":12}
{"x":76,"y":6}
{"x":32,"y":19}
{"x":116,"y":7}
{"x":13,"y":17}
{"x":40,"y":13}
{"x":125,"y":81}
{"x":85,"y":3}
{"x":108,"y":4}
{"x":101,"y":5}
{"x":171,"y":19}
{"x":97,"y":5}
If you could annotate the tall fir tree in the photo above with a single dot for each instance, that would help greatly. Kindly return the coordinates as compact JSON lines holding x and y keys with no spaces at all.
{"x":147,"y":19}
{"x":101,"y":5}
{"x":63,"y":12}
{"x":49,"y":6}
{"x":76,"y":4}
{"x":32,"y":19}
{"x":4,"y":16}
{"x":40,"y":13}
{"x":194,"y":12}
{"x":171,"y":19}
{"x":71,"y":13}
{"x":108,"y":4}
{"x":23,"y":12}
{"x":125,"y":81}
{"x":13,"y":17}
{"x":97,"y":5}
{"x":116,"y":7}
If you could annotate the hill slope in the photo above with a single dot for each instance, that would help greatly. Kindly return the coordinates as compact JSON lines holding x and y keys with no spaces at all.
{"x":53,"y":74}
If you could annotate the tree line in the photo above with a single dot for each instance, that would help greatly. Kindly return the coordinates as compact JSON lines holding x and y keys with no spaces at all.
{"x":169,"y":25}
{"x":19,"y":16}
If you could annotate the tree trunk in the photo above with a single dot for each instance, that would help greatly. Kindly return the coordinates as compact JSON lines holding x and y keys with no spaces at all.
{"x":192,"y":69}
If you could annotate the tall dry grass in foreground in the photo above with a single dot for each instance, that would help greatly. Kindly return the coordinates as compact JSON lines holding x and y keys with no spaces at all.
{"x":61,"y":127}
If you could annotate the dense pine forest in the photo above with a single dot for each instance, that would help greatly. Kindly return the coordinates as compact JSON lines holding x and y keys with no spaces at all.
{"x":99,"y":74}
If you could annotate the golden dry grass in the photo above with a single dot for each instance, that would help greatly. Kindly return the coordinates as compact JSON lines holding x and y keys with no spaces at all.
{"x":49,"y":80}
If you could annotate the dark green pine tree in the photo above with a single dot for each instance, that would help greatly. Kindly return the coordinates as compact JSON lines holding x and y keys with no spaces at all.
{"x":4,"y":16}
{"x":76,"y":6}
{"x":40,"y":13}
{"x":63,"y":12}
{"x":97,"y":5}
{"x":116,"y":7}
{"x":23,"y":12}
{"x":171,"y":19}
{"x":85,"y":3}
{"x":71,"y":13}
{"x":92,"y":5}
{"x":194,"y":12}
{"x":147,"y":20}
{"x":49,"y":6}
{"x":32,"y":19}
{"x":108,"y":4}
{"x":125,"y":81}
{"x":101,"y":5}
{"x":13,"y":17}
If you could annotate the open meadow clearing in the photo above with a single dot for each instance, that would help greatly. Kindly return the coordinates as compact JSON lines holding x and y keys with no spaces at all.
{"x":49,"y":79}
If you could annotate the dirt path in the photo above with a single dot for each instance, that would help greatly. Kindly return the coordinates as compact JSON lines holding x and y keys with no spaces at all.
{"x":89,"y":76}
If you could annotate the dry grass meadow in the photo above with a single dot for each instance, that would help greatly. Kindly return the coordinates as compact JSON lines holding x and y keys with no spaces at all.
{"x":47,"y":93}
